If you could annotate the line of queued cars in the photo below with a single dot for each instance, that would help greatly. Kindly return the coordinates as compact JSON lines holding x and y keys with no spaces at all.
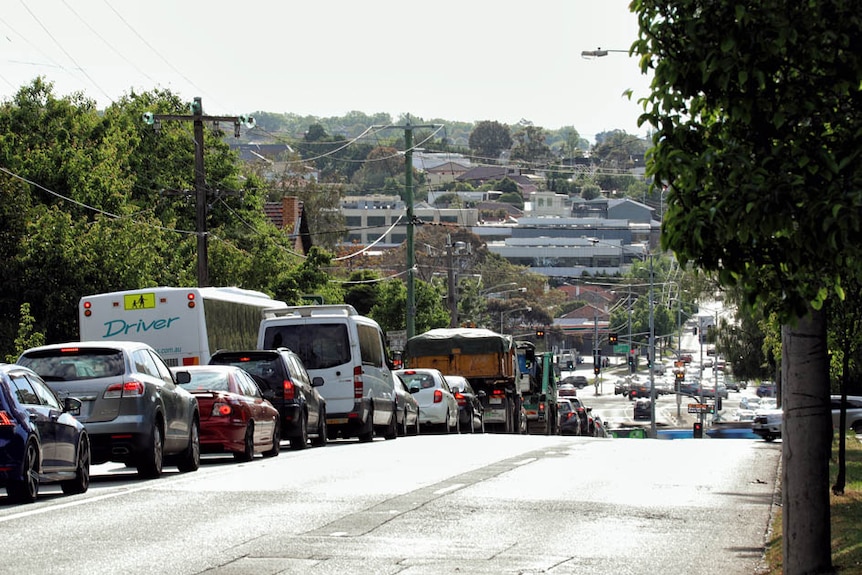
{"x":575,"y":417}
{"x":65,"y":407}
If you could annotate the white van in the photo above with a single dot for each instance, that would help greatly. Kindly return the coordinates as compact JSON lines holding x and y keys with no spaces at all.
{"x":347,"y":350}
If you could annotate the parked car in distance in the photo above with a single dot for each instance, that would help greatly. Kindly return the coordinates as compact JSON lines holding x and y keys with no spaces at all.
{"x":437,"y":405}
{"x":853,"y":409}
{"x":570,"y":422}
{"x":567,"y":390}
{"x":470,"y":410}
{"x":766,"y":389}
{"x":132,"y":405}
{"x":284,"y":382}
{"x":767,"y":423}
{"x":407,"y":408}
{"x":40,"y":439}
{"x":579,"y":381}
{"x":642,"y":409}
{"x":235,"y":418}
{"x":752,"y":403}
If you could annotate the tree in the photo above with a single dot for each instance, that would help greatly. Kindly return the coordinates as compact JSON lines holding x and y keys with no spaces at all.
{"x":757,"y":115}
{"x":489,"y":138}
{"x":530,"y":145}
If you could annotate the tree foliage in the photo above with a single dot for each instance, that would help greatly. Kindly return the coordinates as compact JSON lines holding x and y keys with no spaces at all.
{"x":489,"y":139}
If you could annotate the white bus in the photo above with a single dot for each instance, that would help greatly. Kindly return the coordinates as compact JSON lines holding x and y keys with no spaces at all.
{"x":184,"y":325}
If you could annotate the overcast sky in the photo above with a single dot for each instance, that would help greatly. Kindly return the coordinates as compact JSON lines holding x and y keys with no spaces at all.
{"x":464,"y":60}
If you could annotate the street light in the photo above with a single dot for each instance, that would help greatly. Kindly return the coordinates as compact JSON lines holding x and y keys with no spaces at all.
{"x":508,"y":311}
{"x":598,"y":53}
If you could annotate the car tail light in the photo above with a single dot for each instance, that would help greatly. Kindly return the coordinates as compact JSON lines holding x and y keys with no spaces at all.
{"x":289,"y":390}
{"x":461,"y":399}
{"x":131,"y":388}
{"x":357,"y":382}
{"x":5,"y":420}
{"x":438,"y":396}
{"x":221,"y":409}
{"x":541,"y":407}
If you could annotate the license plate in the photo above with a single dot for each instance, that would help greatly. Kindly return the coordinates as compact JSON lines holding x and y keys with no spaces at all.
{"x":495,"y":400}
{"x":338,"y":421}
{"x":495,"y":417}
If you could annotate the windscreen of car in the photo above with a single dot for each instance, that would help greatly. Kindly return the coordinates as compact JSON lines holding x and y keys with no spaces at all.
{"x":318,"y":345}
{"x":207,"y":381}
{"x":72,"y":364}
{"x":425,"y":381}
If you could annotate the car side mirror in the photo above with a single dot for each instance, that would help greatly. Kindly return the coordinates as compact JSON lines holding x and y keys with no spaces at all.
{"x":317,"y":381}
{"x":183,"y":377}
{"x":72,"y":405}
{"x":481,"y":393}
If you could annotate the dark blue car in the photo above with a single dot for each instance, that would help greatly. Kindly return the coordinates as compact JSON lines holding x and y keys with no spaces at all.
{"x":40,"y":439}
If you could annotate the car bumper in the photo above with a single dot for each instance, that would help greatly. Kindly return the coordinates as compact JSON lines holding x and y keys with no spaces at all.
{"x":217,"y":436}
{"x":433,"y":414}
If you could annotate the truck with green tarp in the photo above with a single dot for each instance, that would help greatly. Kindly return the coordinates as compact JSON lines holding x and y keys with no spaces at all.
{"x":487,"y":359}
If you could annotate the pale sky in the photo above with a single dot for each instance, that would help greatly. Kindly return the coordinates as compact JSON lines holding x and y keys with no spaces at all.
{"x":464,"y":60}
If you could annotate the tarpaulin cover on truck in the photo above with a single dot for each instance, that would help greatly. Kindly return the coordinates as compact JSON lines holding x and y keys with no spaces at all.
{"x":470,"y":341}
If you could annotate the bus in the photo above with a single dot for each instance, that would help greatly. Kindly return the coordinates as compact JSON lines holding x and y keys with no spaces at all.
{"x":184,"y":325}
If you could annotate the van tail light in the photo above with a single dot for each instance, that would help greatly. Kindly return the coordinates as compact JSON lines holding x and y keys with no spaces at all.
{"x":221,"y":409}
{"x":5,"y":420}
{"x":130,"y":388}
{"x":438,"y":396}
{"x":357,"y":382}
{"x":289,"y":390}
{"x":462,"y":401}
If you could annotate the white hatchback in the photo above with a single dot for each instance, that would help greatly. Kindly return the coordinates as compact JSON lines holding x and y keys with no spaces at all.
{"x":438,"y":407}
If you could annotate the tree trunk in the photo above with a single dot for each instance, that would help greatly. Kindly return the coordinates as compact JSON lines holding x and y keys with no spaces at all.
{"x":806,"y":447}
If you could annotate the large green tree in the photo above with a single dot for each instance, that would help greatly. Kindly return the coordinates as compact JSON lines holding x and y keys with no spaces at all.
{"x":489,"y":139}
{"x":757,"y":114}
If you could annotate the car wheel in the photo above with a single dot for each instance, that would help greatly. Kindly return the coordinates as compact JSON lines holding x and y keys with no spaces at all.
{"x":322,"y":431}
{"x":392,"y":428}
{"x":191,"y":457}
{"x":300,"y":440}
{"x":276,"y":441}
{"x":27,"y":489}
{"x":472,"y":427}
{"x":368,"y":435}
{"x":402,"y":429}
{"x":417,"y":429}
{"x":481,"y":423}
{"x":82,"y":470}
{"x":150,"y":462}
{"x":247,"y":453}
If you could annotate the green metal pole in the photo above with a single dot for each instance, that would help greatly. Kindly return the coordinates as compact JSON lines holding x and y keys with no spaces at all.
{"x":408,"y":199}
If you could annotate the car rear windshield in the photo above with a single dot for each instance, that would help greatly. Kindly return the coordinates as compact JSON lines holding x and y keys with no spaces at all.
{"x":319,"y":345}
{"x":264,"y":367}
{"x":71,"y":364}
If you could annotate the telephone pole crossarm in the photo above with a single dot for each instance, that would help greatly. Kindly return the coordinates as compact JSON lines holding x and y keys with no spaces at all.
{"x":198,"y":118}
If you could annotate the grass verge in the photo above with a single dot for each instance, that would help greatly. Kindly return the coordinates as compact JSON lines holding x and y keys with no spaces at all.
{"x":846,"y":514}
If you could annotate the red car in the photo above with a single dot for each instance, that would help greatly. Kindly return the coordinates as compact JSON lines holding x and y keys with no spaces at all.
{"x":235,"y":418}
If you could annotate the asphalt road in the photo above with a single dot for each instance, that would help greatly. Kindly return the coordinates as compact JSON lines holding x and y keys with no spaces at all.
{"x":485,"y":504}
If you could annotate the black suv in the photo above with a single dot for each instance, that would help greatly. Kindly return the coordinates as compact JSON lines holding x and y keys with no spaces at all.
{"x":284,"y":381}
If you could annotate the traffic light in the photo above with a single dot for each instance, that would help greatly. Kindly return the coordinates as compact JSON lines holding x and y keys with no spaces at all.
{"x":612,"y":338}
{"x":698,"y":430}
{"x":648,"y":360}
{"x":680,"y":375}
{"x":540,"y":333}
{"x":631,"y":363}
{"x":597,"y":369}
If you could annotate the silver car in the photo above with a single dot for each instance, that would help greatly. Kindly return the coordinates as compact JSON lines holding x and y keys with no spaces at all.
{"x":438,"y":407}
{"x":132,"y":406}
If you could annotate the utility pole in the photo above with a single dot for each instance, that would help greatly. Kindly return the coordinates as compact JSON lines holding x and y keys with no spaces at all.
{"x":198,"y":118}
{"x":408,"y":199}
